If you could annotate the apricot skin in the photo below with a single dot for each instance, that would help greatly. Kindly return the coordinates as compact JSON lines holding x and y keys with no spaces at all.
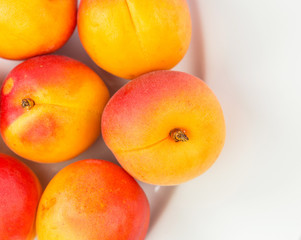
{"x":137,"y":121}
{"x":20,"y":192}
{"x":93,"y":199}
{"x":65,"y":119}
{"x":132,"y":37}
{"x":32,"y":27}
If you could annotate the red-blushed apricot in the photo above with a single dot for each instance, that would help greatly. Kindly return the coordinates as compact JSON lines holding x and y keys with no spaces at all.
{"x":32,"y":27}
{"x":51,"y":108}
{"x":93,"y":199}
{"x":20,"y":192}
{"x":132,"y":37}
{"x":164,"y":127}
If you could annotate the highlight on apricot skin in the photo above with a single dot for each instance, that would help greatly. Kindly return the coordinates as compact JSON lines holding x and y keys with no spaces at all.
{"x":8,"y":86}
{"x":164,"y":127}
{"x":51,"y":108}
{"x":133,"y":37}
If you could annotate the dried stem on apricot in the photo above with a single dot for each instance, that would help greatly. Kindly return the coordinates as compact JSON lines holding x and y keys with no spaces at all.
{"x":27,"y":103}
{"x":178,"y":135}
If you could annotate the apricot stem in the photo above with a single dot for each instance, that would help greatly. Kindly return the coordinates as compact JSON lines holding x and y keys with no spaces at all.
{"x":178,"y":135}
{"x":27,"y":103}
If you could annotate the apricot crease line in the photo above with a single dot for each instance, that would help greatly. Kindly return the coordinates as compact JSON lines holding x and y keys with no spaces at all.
{"x":68,"y":107}
{"x":143,"y":148}
{"x":137,"y":32}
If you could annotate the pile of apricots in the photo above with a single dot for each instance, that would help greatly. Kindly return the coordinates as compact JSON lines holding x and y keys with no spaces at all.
{"x":164,"y":127}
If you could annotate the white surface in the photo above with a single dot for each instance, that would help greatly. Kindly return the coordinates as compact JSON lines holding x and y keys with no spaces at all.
{"x":249,"y":53}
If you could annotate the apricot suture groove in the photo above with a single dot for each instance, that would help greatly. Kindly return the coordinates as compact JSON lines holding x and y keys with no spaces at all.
{"x":28,"y":103}
{"x":143,"y":148}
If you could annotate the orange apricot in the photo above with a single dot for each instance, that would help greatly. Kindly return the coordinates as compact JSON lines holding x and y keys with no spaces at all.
{"x":32,"y":27}
{"x":164,"y":127}
{"x":132,"y":37}
{"x":51,"y":108}
{"x":93,"y":199}
{"x":20,"y":192}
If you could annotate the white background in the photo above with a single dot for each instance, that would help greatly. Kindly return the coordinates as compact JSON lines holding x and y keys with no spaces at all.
{"x":249,"y":53}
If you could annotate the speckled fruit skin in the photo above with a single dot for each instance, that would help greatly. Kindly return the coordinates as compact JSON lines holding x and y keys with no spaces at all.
{"x":33,"y":27}
{"x":65,"y":119}
{"x":138,"y":119}
{"x":93,"y":199}
{"x":132,"y":37}
{"x":20,"y":192}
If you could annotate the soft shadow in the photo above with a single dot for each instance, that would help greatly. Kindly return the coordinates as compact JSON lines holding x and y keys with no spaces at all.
{"x":5,"y":67}
{"x":74,"y":49}
{"x":2,"y":74}
{"x":197,"y":44}
{"x":160,"y":203}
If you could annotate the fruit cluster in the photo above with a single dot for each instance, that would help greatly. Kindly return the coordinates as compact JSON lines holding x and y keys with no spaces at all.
{"x":164,"y":127}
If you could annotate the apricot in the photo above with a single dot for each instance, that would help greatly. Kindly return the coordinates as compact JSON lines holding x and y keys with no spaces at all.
{"x":164,"y":127}
{"x":132,"y":37}
{"x":20,"y":192}
{"x":33,"y":27}
{"x":92,"y":199}
{"x":51,"y":108}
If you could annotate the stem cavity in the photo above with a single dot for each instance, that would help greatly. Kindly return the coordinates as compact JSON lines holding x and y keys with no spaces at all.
{"x":178,"y":135}
{"x":27,"y":103}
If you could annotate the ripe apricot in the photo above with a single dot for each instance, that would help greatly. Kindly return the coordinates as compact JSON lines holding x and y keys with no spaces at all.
{"x":132,"y":37}
{"x":164,"y":127}
{"x":93,"y":199}
{"x":51,"y":108}
{"x":20,"y":192}
{"x":33,"y":27}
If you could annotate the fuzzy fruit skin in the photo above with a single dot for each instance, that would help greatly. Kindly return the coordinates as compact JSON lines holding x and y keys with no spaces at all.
{"x":93,"y":199}
{"x":20,"y":192}
{"x":137,"y":121}
{"x":132,"y":37}
{"x":65,"y":120}
{"x":32,"y":27}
